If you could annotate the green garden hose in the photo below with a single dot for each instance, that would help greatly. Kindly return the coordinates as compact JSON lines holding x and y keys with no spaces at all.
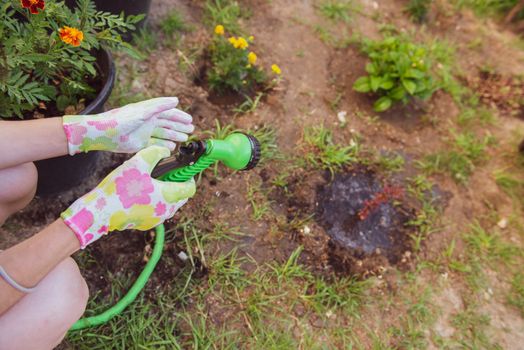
{"x":237,"y":151}
{"x":133,"y":291}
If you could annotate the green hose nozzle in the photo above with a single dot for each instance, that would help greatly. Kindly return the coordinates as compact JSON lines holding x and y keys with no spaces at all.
{"x":237,"y":151}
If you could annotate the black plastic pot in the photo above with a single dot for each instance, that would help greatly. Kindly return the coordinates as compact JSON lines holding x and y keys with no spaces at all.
{"x":60,"y":174}
{"x":129,"y":7}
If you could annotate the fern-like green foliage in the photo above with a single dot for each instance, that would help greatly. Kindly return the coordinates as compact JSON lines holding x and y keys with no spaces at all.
{"x":36,"y":66}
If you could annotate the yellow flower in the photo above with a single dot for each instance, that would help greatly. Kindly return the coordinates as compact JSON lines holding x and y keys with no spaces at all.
{"x":233,"y":41}
{"x":276,"y":69}
{"x":252,"y":58}
{"x":251,"y":38}
{"x":242,"y":43}
{"x":219,"y":30}
{"x":239,"y":43}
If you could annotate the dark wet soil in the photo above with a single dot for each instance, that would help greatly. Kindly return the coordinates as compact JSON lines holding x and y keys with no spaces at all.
{"x":365,"y":220}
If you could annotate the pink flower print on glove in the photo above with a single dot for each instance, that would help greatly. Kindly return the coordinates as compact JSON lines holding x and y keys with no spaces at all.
{"x":130,"y":128}
{"x":128,"y":198}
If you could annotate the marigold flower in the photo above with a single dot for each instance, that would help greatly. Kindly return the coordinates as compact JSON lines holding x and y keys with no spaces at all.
{"x":219,"y":30}
{"x":252,"y":58}
{"x":233,"y":41}
{"x":251,"y":38}
{"x":239,"y":43}
{"x":71,"y":36}
{"x":33,"y":5}
{"x":276,"y":69}
{"x":242,"y":43}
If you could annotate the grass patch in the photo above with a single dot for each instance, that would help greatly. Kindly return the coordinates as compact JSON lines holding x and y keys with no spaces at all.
{"x":484,"y":248}
{"x":225,"y":12}
{"x":134,"y":328}
{"x":425,"y":221}
{"x":173,"y":23}
{"x":471,"y":328}
{"x":460,"y":162}
{"x":145,"y":40}
{"x":490,"y":7}
{"x":511,"y":185}
{"x":336,"y":10}
{"x":322,"y":153}
{"x":418,"y":9}
{"x":260,"y":204}
{"x":516,"y":297}
{"x":391,"y":163}
{"x":488,"y":246}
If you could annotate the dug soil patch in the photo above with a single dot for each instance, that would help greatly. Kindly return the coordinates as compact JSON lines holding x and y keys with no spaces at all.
{"x":366,"y":220}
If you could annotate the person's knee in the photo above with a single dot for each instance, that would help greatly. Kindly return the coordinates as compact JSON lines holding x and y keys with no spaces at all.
{"x":41,"y":319}
{"x":17,"y":187}
{"x":74,"y":294}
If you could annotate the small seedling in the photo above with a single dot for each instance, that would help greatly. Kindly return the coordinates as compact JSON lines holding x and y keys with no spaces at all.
{"x":399,"y":70}
{"x":249,"y":105}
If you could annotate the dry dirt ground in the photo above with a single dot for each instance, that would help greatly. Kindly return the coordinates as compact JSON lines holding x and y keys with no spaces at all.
{"x":432,"y":293}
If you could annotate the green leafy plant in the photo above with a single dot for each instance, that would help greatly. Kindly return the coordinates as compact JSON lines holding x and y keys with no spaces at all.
{"x":47,"y":55}
{"x":233,"y":66}
{"x":398,"y":71}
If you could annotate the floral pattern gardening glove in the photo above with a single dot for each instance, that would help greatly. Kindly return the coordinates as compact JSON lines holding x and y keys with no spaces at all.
{"x":130,"y":128}
{"x":128,"y":198}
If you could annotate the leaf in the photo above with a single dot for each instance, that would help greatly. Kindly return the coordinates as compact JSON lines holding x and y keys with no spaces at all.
{"x":387,"y":84}
{"x":382,"y":104}
{"x":371,"y":68}
{"x":362,"y":85}
{"x":409,"y":85}
{"x":375,"y":82}
{"x":414,"y":73}
{"x":62,"y":102}
{"x":398,"y":93}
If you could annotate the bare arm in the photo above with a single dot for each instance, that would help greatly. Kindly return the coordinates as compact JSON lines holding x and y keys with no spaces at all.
{"x":30,"y":140}
{"x":31,"y":260}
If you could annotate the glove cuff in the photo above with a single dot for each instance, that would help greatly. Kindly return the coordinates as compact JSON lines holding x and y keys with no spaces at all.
{"x":89,"y":133}
{"x":81,"y":220}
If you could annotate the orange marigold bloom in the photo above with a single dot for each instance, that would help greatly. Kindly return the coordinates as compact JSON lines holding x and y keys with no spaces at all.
{"x":33,"y":5}
{"x":71,"y":36}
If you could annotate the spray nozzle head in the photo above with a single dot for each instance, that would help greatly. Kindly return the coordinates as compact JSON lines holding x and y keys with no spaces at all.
{"x":237,"y":151}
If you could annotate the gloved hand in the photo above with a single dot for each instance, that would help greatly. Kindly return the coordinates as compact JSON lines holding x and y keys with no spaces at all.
{"x":128,"y":198}
{"x":130,"y":128}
